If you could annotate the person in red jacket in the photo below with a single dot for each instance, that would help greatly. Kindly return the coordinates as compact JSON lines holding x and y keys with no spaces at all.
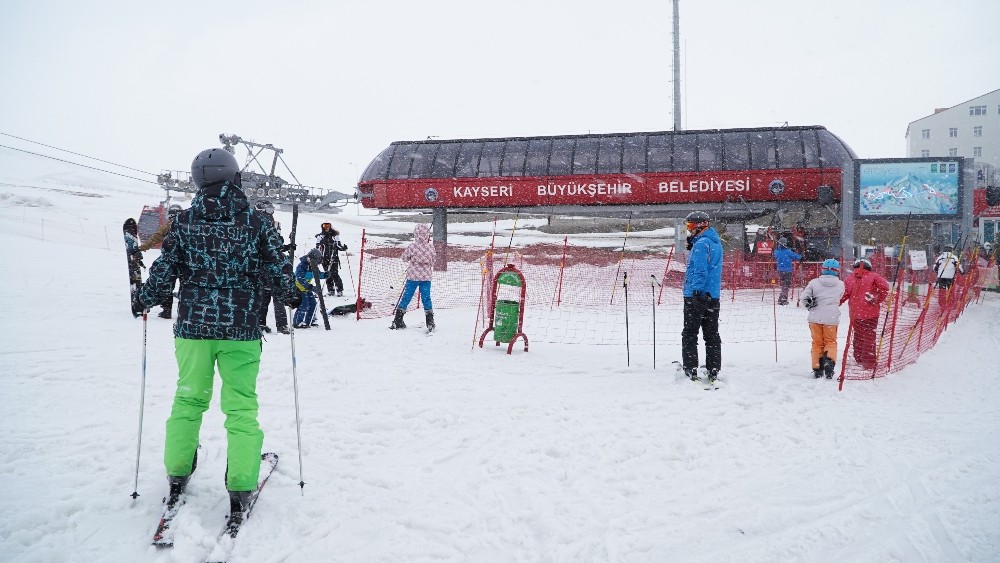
{"x":864,"y":292}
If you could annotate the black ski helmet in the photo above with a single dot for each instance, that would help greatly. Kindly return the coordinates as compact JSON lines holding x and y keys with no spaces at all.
{"x":213,"y":166}
{"x":697,"y":221}
{"x":315,"y":255}
{"x":698,"y":217}
{"x":130,"y":227}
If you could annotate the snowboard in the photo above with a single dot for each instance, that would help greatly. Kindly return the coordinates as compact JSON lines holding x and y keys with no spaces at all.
{"x":130,"y":231}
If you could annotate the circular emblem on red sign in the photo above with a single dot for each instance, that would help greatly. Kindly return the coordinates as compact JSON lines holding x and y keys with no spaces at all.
{"x":776,"y":187}
{"x":431,"y":194}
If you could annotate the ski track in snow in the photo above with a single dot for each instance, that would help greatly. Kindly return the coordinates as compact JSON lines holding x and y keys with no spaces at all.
{"x":430,"y":449}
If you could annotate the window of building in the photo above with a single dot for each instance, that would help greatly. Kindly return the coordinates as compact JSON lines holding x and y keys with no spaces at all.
{"x":561,"y":160}
{"x":585,"y":156}
{"x":468,"y":160}
{"x":685,"y":152}
{"x":634,"y":154}
{"x":811,"y":145}
{"x":400,"y":166}
{"x":977,"y":131}
{"x":489,"y":160}
{"x":977,"y":151}
{"x":423,"y":160}
{"x":658,"y":153}
{"x":444,"y":160}
{"x":977,"y":110}
{"x":953,"y":131}
{"x":513,"y":158}
{"x":737,"y":151}
{"x":952,"y":152}
{"x":710,"y":151}
{"x":762,"y":154}
{"x":925,"y":133}
{"x":537,"y":163}
{"x":789,"y":145}
{"x":925,"y":154}
{"x":609,"y":155}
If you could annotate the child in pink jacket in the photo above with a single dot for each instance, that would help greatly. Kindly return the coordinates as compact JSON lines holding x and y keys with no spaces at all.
{"x":420,"y":257}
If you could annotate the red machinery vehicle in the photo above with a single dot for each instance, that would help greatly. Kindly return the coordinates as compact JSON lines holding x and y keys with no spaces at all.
{"x":761,"y":169}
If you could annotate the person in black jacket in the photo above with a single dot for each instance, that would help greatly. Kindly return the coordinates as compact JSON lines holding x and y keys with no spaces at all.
{"x":221,"y":250}
{"x":280,"y":317}
{"x":328,"y":242}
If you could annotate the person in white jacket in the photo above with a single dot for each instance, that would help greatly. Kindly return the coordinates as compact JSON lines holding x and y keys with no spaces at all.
{"x":945,"y":266}
{"x":822,"y":298}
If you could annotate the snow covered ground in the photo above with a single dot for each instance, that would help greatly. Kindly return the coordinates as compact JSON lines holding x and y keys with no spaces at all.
{"x":427,"y":449}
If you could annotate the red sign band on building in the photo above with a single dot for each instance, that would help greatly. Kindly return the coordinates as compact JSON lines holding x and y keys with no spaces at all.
{"x":611,"y":189}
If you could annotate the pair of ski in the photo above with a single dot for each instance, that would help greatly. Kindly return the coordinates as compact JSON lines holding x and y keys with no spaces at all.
{"x":701,"y":380}
{"x":224,"y":542}
{"x":427,"y":331}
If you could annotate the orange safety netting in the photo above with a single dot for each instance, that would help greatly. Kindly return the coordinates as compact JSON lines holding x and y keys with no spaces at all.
{"x":577,"y":294}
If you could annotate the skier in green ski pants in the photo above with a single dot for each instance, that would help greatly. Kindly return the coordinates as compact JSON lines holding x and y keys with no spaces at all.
{"x":238,"y":361}
{"x":224,"y":253}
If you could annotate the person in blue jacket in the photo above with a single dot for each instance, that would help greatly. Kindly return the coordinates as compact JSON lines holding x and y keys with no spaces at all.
{"x":305,"y":315}
{"x":784,"y":257}
{"x":702,"y":289}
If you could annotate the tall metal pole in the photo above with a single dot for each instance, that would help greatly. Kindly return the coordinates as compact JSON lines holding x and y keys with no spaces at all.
{"x":677,"y":66}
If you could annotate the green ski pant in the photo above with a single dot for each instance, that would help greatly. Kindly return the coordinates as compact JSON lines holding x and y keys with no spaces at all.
{"x":239,"y":362}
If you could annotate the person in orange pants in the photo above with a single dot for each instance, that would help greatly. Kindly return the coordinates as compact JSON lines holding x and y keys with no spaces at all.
{"x":822,"y":298}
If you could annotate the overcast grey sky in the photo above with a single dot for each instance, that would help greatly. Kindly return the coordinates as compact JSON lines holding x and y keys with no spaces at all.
{"x":149,"y":84}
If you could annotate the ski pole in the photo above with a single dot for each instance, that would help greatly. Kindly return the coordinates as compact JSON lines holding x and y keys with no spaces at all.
{"x":652,"y":286}
{"x":625,"y":285}
{"x":142,"y":403}
{"x":295,"y":391}
{"x":347,"y":258}
{"x":291,"y":337}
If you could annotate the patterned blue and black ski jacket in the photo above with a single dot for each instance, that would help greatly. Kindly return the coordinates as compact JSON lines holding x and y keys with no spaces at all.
{"x":222,"y":251}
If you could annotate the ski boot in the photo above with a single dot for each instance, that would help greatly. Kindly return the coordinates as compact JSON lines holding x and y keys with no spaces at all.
{"x":340,"y":293}
{"x":283,"y":329}
{"x":265,"y":328}
{"x":239,"y":504}
{"x":818,"y":372}
{"x":828,"y":367}
{"x":177,"y":486}
{"x":692,"y":373}
{"x":430,"y":320}
{"x":397,"y":321}
{"x":713,"y":375}
{"x":164,"y":314}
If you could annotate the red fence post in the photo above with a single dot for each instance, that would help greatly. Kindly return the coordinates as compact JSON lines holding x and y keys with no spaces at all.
{"x":361,"y":265}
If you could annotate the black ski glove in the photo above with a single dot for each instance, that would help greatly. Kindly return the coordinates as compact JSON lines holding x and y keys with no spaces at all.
{"x":809,"y":302}
{"x":295,"y":301}
{"x":287,"y":247}
{"x":690,"y":242}
{"x":137,"y":307}
{"x":701,"y":301}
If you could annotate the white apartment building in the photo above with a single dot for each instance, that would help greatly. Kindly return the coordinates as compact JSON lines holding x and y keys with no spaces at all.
{"x":970,"y":129}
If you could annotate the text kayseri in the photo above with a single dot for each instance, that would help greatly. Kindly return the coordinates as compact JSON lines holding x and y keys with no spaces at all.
{"x":699,"y":186}
{"x":482,"y":191}
{"x":594,"y":189}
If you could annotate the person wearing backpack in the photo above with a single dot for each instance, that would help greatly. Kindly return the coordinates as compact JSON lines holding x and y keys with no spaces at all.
{"x":821,"y":298}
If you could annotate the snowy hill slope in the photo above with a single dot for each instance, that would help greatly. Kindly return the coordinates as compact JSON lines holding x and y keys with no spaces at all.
{"x":420,"y":449}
